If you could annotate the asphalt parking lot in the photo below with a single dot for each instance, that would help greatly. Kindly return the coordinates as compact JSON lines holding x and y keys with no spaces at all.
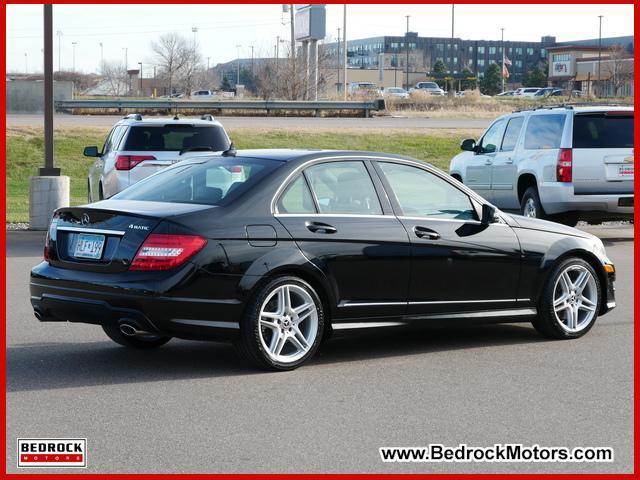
{"x":191,"y":407}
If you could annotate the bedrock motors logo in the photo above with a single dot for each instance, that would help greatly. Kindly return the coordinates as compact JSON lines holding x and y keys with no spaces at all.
{"x":52,"y":452}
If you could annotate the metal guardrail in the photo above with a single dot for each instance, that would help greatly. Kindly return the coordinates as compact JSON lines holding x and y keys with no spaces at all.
{"x":175,"y":105}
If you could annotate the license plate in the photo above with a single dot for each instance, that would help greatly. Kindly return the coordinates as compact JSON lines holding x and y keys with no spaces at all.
{"x":89,"y":246}
{"x":625,"y":171}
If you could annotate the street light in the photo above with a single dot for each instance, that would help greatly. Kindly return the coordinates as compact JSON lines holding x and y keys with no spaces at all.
{"x":59,"y":34}
{"x":140,"y":63}
{"x":126,"y":58}
{"x":238,"y":64}
{"x":407,"y":46}
{"x":74,"y":55}
{"x":101,"y":58}
{"x":600,"y":53}
{"x":194,"y":30}
{"x":26,"y":68}
{"x":502,"y":43}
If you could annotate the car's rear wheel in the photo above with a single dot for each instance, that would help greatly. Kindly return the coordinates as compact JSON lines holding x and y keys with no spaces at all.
{"x":141,"y":341}
{"x":282,"y":326}
{"x":570,"y":300}
{"x":530,"y":205}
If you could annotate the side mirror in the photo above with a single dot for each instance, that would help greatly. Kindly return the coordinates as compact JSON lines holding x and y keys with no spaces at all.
{"x":468,"y":145}
{"x":488,"y":214}
{"x":91,"y":152}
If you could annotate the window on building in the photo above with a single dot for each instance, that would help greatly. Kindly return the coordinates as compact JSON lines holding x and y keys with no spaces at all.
{"x":481,"y":50}
{"x":529,"y":51}
{"x":543,"y":53}
{"x":492,"y":50}
{"x":470,"y":49}
{"x":481,"y":62}
{"x":518,"y":51}
{"x":519,"y":63}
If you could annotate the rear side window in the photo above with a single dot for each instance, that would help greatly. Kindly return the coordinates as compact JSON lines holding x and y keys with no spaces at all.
{"x":603,"y":131}
{"x":175,"y":138}
{"x":297,"y":198}
{"x":511,"y":134}
{"x":544,"y":132}
{"x":212,"y":182}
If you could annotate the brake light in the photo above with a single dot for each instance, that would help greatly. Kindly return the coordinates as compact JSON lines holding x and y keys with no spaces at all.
{"x":127,"y":162}
{"x":162,"y":252}
{"x":564,"y":166}
{"x":46,"y":247}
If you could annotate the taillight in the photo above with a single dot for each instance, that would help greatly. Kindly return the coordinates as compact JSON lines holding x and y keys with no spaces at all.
{"x":564,"y":166}
{"x":162,"y":252}
{"x":127,"y":162}
{"x":46,"y":247}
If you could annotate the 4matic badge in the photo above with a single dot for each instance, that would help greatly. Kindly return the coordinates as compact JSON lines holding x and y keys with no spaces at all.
{"x":52,"y":452}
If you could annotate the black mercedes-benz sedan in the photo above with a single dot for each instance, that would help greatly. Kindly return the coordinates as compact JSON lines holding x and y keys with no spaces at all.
{"x":275,"y":249}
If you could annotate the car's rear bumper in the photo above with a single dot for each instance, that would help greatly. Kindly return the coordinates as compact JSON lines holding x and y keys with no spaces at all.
{"x":55,"y":298}
{"x":559,"y":197}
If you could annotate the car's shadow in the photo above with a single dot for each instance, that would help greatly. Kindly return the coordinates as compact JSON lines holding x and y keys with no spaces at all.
{"x":44,"y":366}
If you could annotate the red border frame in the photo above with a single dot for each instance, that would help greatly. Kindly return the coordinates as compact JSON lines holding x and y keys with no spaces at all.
{"x":3,"y":336}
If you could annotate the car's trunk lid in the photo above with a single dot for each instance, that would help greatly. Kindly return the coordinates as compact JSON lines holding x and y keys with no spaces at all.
{"x":105,"y":236}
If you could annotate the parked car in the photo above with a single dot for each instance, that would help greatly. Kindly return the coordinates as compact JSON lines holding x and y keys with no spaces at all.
{"x":546,"y":92}
{"x":202,"y":94}
{"x":309,"y":242}
{"x":508,"y":93}
{"x":563,"y":163}
{"x":526,"y":92}
{"x":364,"y":89}
{"x":136,"y":147}
{"x":395,"y":92}
{"x":429,"y":87}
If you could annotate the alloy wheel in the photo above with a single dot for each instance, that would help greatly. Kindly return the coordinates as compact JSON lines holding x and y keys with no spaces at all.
{"x":288,"y":323}
{"x":575,"y":298}
{"x":530,"y":208}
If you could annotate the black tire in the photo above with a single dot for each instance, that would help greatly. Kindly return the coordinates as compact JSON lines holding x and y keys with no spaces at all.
{"x":546,"y":322}
{"x":113,"y":332}
{"x":531,"y":195}
{"x":249,"y":345}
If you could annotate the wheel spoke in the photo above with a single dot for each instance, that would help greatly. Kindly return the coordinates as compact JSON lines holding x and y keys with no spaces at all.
{"x":277,"y":342}
{"x":287,"y":298}
{"x":587,"y":304}
{"x":282,"y":302}
{"x":563,"y":299}
{"x":561,"y":307}
{"x":269,"y":322}
{"x":298,"y":339}
{"x":572,"y":317}
{"x":566,"y":283}
{"x":581,"y":281}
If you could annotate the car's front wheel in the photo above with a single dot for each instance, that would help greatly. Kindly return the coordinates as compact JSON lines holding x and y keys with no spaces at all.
{"x":570,"y":300}
{"x":282,"y":326}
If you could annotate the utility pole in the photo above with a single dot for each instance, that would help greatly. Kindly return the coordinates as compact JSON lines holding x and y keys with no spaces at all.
{"x":101,"y":58}
{"x":208,"y":63}
{"x":277,"y":55}
{"x":126,"y":58}
{"x":252,"y":69}
{"x":26,"y":63}
{"x":338,"y":58}
{"x":140,"y":63}
{"x":406,"y":41}
{"x":195,"y":31}
{"x":451,"y":52}
{"x":238,"y":65}
{"x":74,"y":55}
{"x":344,"y":51}
{"x":502,"y":46}
{"x":48,"y":169}
{"x":453,"y":16}
{"x":59,"y":34}
{"x":600,"y":54}
{"x":293,"y":50}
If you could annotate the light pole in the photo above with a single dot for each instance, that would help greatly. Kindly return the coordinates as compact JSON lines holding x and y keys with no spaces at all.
{"x":344,"y":51}
{"x":406,"y":39}
{"x":74,"y":55}
{"x":238,"y":65}
{"x":126,"y":58}
{"x":26,"y":64}
{"x":59,"y":34}
{"x":502,"y":46}
{"x":140,"y":63}
{"x":252,"y":69}
{"x":195,"y":31}
{"x":277,"y":54}
{"x":101,"y":58}
{"x":208,"y":63}
{"x":600,"y":54}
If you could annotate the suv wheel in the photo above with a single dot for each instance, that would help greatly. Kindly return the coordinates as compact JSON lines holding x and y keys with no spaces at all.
{"x":530,"y":205}
{"x":570,"y":301}
{"x":282,"y":326}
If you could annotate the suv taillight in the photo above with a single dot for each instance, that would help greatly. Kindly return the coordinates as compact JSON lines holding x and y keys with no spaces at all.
{"x":127,"y":162}
{"x":162,"y":252}
{"x":46,"y":248}
{"x":564,"y":166}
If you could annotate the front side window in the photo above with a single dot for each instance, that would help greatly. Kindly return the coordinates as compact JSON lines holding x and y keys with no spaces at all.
{"x":297,"y":198}
{"x":175,"y":137}
{"x":215,"y":181}
{"x":423,"y":194}
{"x":544,"y":132}
{"x":343,"y":188}
{"x":511,"y":134}
{"x":491,"y":139}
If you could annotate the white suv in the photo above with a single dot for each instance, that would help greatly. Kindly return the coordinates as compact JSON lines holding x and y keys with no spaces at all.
{"x":136,"y":147}
{"x":565,"y":163}
{"x":431,"y":88}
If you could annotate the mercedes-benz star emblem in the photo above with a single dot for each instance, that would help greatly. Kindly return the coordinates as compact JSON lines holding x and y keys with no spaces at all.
{"x":85,"y":219}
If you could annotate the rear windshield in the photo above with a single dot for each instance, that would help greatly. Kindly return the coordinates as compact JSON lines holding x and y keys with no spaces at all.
{"x":603,"y":131}
{"x":209,"y":182}
{"x":175,"y":137}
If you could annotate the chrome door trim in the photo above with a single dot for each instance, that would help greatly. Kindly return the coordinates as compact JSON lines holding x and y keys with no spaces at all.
{"x":91,"y":230}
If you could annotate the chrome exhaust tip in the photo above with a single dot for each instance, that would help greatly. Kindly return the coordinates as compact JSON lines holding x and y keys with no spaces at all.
{"x":131,"y":330}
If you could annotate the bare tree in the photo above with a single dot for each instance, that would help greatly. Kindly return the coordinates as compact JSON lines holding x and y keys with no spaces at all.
{"x":619,"y":66}
{"x":190,"y":74}
{"x":171,"y":53}
{"x":115,"y":74}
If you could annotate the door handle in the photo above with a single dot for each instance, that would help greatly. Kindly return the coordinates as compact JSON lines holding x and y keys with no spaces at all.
{"x":509,"y":160}
{"x":489,"y":162}
{"x":319,"y":227}
{"x":424,"y":232}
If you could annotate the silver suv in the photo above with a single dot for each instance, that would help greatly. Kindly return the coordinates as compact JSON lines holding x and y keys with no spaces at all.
{"x":564,"y":163}
{"x":137,"y":147}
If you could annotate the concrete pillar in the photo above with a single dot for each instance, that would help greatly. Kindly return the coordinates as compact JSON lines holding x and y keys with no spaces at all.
{"x":46,"y":194}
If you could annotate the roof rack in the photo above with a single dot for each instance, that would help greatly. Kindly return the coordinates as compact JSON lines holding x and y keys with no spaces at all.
{"x":133,"y":116}
{"x":572,"y":105}
{"x":208,"y":117}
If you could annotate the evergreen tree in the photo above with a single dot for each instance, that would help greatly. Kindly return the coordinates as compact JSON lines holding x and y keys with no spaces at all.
{"x":491,"y":83}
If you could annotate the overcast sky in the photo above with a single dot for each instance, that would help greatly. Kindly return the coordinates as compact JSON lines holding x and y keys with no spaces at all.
{"x":222,"y":27}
